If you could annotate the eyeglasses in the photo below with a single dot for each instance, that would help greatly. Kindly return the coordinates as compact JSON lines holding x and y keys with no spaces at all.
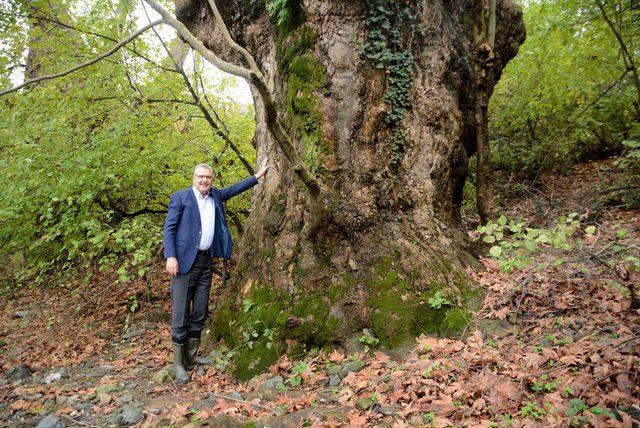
{"x":204,"y":177}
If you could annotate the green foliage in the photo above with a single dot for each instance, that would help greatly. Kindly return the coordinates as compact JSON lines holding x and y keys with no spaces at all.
{"x":562,"y":98}
{"x":297,"y":371}
{"x":437,"y":301}
{"x":544,"y":384}
{"x":368,"y":340}
{"x":391,"y":28}
{"x":625,"y":190}
{"x":576,"y":406}
{"x":285,"y":13}
{"x":84,"y":156}
{"x":532,"y":411}
{"x":515,"y":243}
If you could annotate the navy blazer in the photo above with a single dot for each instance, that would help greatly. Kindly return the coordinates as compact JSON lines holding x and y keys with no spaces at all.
{"x":182,"y":228}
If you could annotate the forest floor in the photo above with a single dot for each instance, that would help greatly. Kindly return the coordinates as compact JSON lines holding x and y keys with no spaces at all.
{"x":554,"y":345}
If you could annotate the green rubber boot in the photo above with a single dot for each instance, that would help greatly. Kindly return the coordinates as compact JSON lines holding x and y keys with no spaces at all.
{"x":179,"y":352}
{"x":191,"y":355}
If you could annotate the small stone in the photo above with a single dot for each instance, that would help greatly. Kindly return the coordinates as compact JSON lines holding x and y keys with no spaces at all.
{"x":53,"y":377}
{"x":164,"y":375}
{"x":20,"y":372}
{"x":104,"y":399}
{"x":131,"y":385}
{"x":275,"y":382}
{"x":66,"y":387}
{"x":125,"y":399}
{"x":21,"y":314}
{"x":50,"y":421}
{"x":107,"y":389}
{"x":334,"y":380}
{"x":334,"y":369}
{"x":61,"y":399}
{"x":387,"y":410}
{"x":210,"y":402}
{"x":236,"y":395}
{"x":129,"y":416}
{"x":106,"y":368}
{"x":364,"y":403}
{"x":105,"y":335}
{"x":134,"y":333}
{"x":83,"y":407}
{"x":351,"y":366}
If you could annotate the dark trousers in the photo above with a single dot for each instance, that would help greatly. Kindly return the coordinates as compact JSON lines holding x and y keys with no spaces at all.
{"x":190,"y":300}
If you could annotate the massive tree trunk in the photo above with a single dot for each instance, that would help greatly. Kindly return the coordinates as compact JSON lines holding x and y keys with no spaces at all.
{"x":385,"y":235}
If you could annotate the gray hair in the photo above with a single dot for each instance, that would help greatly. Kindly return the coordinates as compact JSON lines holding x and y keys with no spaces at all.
{"x":203,"y":166}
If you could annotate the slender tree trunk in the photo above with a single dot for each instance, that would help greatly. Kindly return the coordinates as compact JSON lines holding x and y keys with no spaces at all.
{"x":382,"y":236}
{"x":485,"y":61}
{"x":627,"y":55}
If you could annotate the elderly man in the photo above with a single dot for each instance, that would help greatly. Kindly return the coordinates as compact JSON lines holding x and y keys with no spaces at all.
{"x":195,"y":230}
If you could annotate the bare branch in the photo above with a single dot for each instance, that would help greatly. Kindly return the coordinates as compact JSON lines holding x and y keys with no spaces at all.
{"x":256,"y":78}
{"x":232,"y":43}
{"x":198,"y":103}
{"x":197,"y":44}
{"x":491,"y":33}
{"x":84,"y":64}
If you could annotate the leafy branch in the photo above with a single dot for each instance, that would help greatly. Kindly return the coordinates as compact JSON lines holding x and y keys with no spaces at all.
{"x":110,"y":52}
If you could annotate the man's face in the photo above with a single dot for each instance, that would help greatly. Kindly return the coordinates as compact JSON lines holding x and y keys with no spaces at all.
{"x":202,"y":180}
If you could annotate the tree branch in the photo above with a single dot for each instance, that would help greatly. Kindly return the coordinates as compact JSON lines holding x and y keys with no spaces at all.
{"x":124,"y":214}
{"x":630,"y":64}
{"x":491,"y":33}
{"x":198,"y":103}
{"x":255,"y":77}
{"x":232,"y":43}
{"x":92,"y":33}
{"x":84,"y":64}
{"x":197,"y":44}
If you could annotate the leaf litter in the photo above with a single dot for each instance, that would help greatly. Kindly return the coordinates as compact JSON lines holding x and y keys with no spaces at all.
{"x":554,"y":345}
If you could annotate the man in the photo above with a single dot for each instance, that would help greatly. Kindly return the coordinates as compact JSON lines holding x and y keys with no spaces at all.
{"x":195,"y":230}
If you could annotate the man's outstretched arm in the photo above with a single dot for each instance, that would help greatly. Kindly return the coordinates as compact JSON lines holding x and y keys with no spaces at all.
{"x":246,"y":184}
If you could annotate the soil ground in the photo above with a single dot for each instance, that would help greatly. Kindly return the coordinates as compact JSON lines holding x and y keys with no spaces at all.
{"x":556,"y":344}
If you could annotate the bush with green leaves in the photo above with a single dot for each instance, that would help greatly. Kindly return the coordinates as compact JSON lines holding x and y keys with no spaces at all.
{"x":89,"y":160}
{"x":568,"y":95}
{"x":625,"y":190}
{"x":515,"y":245}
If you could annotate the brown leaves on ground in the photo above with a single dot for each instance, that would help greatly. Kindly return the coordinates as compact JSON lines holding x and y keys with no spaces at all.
{"x":551,"y":346}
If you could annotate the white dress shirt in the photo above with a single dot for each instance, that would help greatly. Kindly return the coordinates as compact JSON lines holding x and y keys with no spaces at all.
{"x":207,"y":219}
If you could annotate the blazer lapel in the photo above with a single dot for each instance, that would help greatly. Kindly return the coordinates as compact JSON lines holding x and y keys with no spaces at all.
{"x":196,"y":209}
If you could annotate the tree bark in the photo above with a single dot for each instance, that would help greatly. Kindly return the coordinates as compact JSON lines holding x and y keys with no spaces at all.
{"x":383,"y":235}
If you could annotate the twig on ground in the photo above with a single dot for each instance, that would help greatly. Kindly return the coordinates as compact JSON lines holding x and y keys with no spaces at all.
{"x":596,"y":382}
{"x":242,"y":401}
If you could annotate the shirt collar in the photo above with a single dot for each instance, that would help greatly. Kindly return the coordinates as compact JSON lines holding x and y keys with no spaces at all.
{"x":198,"y":195}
